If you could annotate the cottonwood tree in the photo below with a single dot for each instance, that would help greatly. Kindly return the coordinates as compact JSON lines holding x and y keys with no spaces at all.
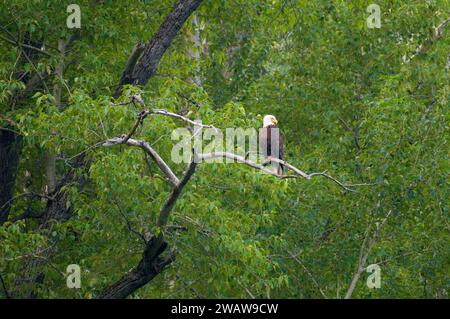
{"x":140,"y":67}
{"x":153,"y":261}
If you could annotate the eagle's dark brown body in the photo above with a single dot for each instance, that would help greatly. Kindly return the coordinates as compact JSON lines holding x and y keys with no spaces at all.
{"x":271,"y":144}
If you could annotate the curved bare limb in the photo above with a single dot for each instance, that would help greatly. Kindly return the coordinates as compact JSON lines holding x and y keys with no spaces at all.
{"x":297,"y":171}
{"x":180,"y":117}
{"x":150,"y":151}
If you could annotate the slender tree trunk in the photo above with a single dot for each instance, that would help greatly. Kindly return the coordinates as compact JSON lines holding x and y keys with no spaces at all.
{"x":196,"y":49}
{"x":50,"y":160}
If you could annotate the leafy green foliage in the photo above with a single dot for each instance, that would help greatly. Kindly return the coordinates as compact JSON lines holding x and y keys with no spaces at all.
{"x":345,"y":99}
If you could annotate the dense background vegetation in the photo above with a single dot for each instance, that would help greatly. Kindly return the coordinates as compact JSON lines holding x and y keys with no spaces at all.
{"x":367,"y":105}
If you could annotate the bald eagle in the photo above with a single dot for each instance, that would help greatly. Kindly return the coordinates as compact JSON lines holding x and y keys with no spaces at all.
{"x":271,"y":143}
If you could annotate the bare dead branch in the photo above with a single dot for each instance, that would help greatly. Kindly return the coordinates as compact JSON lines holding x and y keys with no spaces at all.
{"x":298,"y":172}
{"x":150,"y":151}
{"x":140,"y":71}
{"x":180,"y":117}
{"x":138,"y":98}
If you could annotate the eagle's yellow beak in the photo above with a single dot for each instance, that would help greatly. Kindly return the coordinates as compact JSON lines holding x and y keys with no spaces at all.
{"x":274,"y":121}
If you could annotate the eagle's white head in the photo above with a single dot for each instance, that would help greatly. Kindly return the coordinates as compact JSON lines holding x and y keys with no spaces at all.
{"x":269,"y":120}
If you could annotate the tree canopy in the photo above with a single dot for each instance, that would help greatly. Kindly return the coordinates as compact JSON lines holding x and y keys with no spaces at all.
{"x":367,"y":105}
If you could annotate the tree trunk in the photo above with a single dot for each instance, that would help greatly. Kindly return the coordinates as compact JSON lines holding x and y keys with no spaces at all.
{"x":154,"y":50}
{"x":149,"y":266}
{"x":10,"y":144}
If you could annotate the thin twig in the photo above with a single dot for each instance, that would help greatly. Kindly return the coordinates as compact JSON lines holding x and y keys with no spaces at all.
{"x":127,"y":221}
{"x":180,"y":117}
{"x":141,"y":118}
{"x":298,"y":172}
{"x":27,"y":194}
{"x":23,"y":45}
{"x":354,"y":132}
{"x":37,"y":71}
{"x":309,"y":273}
